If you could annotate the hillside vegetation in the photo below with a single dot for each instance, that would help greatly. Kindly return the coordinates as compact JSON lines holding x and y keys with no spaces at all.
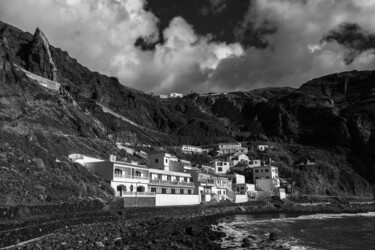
{"x":330,"y":119}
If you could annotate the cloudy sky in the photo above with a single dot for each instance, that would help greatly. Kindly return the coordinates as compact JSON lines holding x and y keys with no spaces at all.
{"x":164,"y":46}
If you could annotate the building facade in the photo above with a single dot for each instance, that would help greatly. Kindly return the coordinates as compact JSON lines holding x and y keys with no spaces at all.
{"x":188,"y":149}
{"x":221,"y":167}
{"x":228,"y":148}
{"x":266,"y":178}
{"x":163,"y":161}
{"x":169,"y":182}
{"x":125,"y":178}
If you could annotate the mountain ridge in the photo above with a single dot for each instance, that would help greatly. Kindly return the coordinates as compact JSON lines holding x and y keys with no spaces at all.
{"x":329,"y":119}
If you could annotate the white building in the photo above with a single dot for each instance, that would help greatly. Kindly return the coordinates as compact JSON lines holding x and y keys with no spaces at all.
{"x":228,"y":148}
{"x":255,"y":163}
{"x":266,"y":178}
{"x":234,"y":160}
{"x":188,"y":149}
{"x":170,"y":182}
{"x":221,"y":167}
{"x":125,"y":178}
{"x":162,"y":161}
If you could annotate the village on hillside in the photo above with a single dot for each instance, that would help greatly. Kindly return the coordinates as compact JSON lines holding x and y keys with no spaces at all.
{"x":165,"y":179}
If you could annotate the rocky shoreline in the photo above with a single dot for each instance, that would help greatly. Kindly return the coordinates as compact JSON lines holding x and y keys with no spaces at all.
{"x":169,"y":227}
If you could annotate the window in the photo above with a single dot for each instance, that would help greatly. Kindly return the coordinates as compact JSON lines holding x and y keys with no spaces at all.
{"x":256,"y":171}
{"x":224,"y":192}
{"x":267,"y":177}
{"x":166,"y":160}
{"x":189,"y":191}
{"x":131,"y":188}
{"x":156,"y":160}
{"x":153,"y":190}
{"x":181,"y":191}
{"x":219,"y":192}
{"x":118,"y":171}
{"x":266,"y":170}
{"x":163,"y":190}
{"x":220,"y":169}
{"x":185,"y":179}
{"x":173,"y":191}
{"x":137,"y":173}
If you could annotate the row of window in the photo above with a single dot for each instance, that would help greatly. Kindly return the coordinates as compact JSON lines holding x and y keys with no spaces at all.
{"x":170,"y":191}
{"x":266,"y":170}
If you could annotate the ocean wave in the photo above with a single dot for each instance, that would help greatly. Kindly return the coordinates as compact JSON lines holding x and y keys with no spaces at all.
{"x":250,"y":234}
{"x":238,"y":238}
{"x":303,"y":217}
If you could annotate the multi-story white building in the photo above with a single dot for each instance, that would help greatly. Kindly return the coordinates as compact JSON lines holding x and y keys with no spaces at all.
{"x":228,"y":148}
{"x":170,"y":182}
{"x":210,"y":184}
{"x":221,"y":167}
{"x":125,"y":178}
{"x":162,"y":161}
{"x":266,"y":178}
{"x":188,"y":149}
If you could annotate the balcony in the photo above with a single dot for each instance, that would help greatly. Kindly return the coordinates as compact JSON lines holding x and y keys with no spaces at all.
{"x":131,"y":177}
{"x":206,"y":182}
{"x":170,"y":183}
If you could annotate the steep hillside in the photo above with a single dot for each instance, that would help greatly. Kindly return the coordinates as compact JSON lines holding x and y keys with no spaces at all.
{"x":335,"y":113}
{"x":51,"y":106}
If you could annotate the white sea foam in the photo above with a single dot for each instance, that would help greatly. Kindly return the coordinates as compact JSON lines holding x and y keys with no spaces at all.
{"x":238,"y":230}
{"x":302,"y":217}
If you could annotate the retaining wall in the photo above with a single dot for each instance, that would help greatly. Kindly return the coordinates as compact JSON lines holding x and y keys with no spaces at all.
{"x":176,"y":199}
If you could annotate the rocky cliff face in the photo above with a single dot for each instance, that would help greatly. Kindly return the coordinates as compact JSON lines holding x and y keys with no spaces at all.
{"x":330,"y":118}
{"x":335,"y":113}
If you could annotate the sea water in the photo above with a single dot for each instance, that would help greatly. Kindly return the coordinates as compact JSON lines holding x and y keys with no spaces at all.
{"x":317,"y":231}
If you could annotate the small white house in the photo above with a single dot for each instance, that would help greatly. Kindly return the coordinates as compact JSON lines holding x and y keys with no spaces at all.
{"x":255,"y":163}
{"x":263,"y":147}
{"x":234,"y":160}
{"x":221,"y":167}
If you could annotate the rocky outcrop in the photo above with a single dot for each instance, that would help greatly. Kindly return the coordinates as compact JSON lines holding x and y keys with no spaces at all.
{"x":40,"y":60}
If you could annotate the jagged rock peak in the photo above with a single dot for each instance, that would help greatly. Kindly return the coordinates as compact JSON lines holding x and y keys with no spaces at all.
{"x":40,"y":60}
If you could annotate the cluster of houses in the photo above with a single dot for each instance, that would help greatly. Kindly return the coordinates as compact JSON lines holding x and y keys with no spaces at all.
{"x":168,"y":180}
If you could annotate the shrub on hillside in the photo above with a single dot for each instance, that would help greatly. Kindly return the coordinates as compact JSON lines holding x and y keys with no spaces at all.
{"x":39,"y":164}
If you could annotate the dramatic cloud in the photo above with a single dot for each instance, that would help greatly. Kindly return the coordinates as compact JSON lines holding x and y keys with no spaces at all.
{"x":352,"y":37}
{"x":164,"y":46}
{"x":295,"y":52}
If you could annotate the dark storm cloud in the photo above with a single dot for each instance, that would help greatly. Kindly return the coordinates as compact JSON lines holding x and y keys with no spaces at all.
{"x":352,"y":37}
{"x":224,"y":20}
